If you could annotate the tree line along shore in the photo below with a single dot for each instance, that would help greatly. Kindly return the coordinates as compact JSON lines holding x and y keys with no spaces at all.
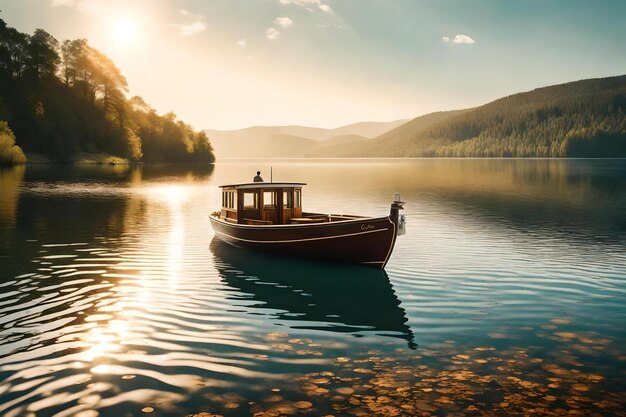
{"x":67,"y":101}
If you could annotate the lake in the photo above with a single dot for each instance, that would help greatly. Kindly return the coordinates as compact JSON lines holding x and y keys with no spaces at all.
{"x":508,"y":293}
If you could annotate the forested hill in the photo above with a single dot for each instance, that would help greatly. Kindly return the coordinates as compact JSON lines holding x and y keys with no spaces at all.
{"x":62,"y":99}
{"x":579,"y":119}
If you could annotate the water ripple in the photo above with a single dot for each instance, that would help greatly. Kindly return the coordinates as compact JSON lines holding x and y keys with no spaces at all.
{"x":115,"y":296}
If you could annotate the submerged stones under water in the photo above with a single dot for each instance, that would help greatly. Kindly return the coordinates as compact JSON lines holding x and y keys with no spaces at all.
{"x":450,"y":380}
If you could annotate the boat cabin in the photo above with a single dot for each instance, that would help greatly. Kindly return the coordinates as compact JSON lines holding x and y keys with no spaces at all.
{"x":262,"y":203}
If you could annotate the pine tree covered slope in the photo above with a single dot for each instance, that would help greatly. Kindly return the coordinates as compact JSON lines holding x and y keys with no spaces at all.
{"x":578,"y":119}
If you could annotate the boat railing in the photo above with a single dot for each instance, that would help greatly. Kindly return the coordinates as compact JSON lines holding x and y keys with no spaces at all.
{"x":307,"y":218}
{"x":329,"y":217}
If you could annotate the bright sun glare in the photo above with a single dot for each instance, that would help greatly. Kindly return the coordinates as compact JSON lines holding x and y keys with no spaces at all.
{"x":124,"y":32}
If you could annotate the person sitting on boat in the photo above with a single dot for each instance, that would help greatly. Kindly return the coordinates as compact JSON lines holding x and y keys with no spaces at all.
{"x":258,"y":178}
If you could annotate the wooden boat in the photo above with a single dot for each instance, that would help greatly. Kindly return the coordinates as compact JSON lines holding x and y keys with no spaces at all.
{"x":269,"y":217}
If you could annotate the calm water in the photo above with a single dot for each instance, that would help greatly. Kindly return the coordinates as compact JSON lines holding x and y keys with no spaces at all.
{"x":508,"y":293}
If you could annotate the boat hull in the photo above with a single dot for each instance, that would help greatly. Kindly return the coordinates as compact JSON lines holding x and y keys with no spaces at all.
{"x":364,"y":241}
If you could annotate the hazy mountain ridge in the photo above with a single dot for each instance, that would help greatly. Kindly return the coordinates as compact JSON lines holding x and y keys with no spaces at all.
{"x":367,"y":129}
{"x":277,"y":145}
{"x":343,"y":139}
{"x":384,"y":143}
{"x":264,"y":141}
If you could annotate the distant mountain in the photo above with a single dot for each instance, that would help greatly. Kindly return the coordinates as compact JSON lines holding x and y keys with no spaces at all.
{"x":367,"y":129}
{"x":341,"y":139}
{"x":579,"y":119}
{"x":264,"y":141}
{"x":277,"y":146}
{"x":380,"y":144}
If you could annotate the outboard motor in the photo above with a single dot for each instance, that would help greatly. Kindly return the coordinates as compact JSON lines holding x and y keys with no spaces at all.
{"x":394,"y":215}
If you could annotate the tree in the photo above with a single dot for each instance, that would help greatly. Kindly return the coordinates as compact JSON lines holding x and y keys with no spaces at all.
{"x":10,"y":154}
{"x":13,"y":45}
{"x":70,"y":54}
{"x":109,"y":83}
{"x":42,"y":56}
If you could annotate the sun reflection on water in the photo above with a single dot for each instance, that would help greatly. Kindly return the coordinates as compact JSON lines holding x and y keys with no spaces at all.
{"x":104,"y":340}
{"x":139,"y":275}
{"x":176,"y":241}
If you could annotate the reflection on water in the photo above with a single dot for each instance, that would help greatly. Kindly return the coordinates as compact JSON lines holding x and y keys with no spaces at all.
{"x":508,"y":294}
{"x":318,"y":296}
{"x":10,"y":180}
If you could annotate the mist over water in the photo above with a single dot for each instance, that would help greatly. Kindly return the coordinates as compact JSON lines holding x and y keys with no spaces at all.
{"x":507,"y":292}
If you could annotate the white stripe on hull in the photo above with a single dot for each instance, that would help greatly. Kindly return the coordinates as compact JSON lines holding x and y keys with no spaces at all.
{"x":300,"y":240}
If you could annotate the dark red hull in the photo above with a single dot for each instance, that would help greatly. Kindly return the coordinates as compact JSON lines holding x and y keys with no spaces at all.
{"x":365,"y":241}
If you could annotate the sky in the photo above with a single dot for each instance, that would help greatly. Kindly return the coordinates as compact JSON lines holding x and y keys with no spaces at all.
{"x":229,"y":64}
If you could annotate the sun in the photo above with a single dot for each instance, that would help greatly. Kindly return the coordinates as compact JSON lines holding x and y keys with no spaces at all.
{"x":124,"y":32}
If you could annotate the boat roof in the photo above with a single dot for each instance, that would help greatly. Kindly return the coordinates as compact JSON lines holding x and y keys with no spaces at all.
{"x":248,"y":185}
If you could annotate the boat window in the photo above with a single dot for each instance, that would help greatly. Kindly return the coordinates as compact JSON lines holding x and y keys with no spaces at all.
{"x":270,"y":199}
{"x":228,"y":199}
{"x":250,"y":200}
{"x":298,"y":198}
{"x":287,"y":199}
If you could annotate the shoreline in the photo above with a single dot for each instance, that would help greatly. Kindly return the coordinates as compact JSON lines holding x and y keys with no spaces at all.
{"x":33,"y":159}
{"x":86,"y":158}
{"x":82,"y":158}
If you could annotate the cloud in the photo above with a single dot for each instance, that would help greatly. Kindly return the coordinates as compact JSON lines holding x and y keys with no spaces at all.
{"x":194,"y":25}
{"x":325,"y":8}
{"x":463,"y":39}
{"x":305,"y":3}
{"x":190,"y":28}
{"x":242,"y":42}
{"x":283,"y":21}
{"x":300,"y":2}
{"x":460,"y":39}
{"x":272,"y":33}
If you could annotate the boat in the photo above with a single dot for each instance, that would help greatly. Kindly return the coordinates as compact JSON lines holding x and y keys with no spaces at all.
{"x":269,"y":217}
